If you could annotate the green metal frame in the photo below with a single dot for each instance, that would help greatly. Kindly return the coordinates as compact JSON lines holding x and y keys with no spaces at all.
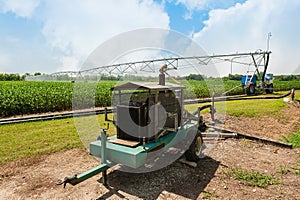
{"x":75,"y":179}
{"x":137,"y":156}
{"x":120,"y":154}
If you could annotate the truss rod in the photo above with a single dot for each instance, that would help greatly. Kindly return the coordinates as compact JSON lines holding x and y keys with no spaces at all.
{"x":257,"y":57}
{"x":173,"y":59}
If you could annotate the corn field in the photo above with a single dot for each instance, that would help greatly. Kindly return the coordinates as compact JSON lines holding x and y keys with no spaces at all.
{"x":22,"y":97}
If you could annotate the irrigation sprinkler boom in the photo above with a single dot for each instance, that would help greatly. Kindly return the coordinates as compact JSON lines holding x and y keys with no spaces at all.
{"x":256,"y":59}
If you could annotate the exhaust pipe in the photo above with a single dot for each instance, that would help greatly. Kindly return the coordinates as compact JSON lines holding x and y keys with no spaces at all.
{"x":162,"y":76}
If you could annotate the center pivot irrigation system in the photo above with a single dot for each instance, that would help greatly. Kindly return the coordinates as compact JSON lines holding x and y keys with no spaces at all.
{"x":150,"y":117}
{"x":257,"y":60}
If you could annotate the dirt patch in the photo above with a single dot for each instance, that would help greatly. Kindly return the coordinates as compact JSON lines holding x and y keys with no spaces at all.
{"x":35,"y":178}
{"x":177,"y":181}
{"x":268,"y":126}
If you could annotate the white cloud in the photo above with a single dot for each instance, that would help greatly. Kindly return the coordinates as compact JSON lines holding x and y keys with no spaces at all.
{"x":196,"y":5}
{"x":19,"y":8}
{"x":244,"y":28}
{"x":78,"y":29}
{"x":69,"y":63}
{"x":192,"y":5}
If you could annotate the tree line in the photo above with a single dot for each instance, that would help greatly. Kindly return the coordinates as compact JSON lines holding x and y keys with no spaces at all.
{"x":16,"y":77}
{"x":11,"y":77}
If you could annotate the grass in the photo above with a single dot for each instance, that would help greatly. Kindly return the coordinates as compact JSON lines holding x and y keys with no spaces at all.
{"x":35,"y":138}
{"x":294,"y":139}
{"x":296,"y":169}
{"x":44,"y":137}
{"x":254,"y":108}
{"x":283,"y":170}
{"x":248,"y":108}
{"x":208,"y":195}
{"x":252,"y":178}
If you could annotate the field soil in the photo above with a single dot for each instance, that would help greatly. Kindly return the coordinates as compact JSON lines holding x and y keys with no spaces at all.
{"x":274,"y":127}
{"x":35,"y":178}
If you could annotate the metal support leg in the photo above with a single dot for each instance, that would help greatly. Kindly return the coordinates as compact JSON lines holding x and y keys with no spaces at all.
{"x":103,"y":156}
{"x":104,"y":178}
{"x":212,"y":108}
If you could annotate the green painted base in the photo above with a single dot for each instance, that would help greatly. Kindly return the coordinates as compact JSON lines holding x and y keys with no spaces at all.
{"x":136,"y":156}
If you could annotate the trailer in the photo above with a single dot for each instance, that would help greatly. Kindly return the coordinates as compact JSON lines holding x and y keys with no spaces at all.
{"x":150,"y":121}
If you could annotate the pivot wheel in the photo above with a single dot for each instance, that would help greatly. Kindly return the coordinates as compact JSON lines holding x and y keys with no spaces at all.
{"x":194,"y":153}
{"x":250,"y":90}
{"x":270,"y":88}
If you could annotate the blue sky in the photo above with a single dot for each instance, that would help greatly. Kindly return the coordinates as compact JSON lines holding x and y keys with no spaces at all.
{"x":50,"y":35}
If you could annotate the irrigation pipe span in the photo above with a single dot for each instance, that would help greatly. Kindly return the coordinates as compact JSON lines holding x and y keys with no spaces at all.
{"x":44,"y":117}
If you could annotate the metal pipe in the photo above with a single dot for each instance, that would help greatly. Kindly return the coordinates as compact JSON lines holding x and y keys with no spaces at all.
{"x":268,"y":41}
{"x":75,"y":179}
{"x":212,"y":108}
{"x":180,"y":58}
{"x":155,"y":60}
{"x":103,"y":155}
{"x":162,"y":76}
{"x":266,"y":60}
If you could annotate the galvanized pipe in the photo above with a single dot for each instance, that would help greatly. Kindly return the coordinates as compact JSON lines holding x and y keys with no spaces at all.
{"x":103,"y":155}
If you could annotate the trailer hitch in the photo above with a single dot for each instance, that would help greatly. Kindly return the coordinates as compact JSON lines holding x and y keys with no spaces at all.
{"x":64,"y":181}
{"x":75,"y":179}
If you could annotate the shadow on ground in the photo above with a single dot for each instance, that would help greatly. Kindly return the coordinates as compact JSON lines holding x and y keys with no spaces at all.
{"x":176,"y":178}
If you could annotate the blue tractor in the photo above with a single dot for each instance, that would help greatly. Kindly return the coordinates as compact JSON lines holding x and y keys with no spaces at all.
{"x":250,"y":84}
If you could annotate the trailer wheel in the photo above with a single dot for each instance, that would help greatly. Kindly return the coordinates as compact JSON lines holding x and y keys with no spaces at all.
{"x":194,"y":153}
{"x":250,"y":90}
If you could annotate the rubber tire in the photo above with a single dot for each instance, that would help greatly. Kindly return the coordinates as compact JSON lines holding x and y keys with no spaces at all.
{"x":250,"y":90}
{"x":194,"y":152}
{"x":270,"y":89}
